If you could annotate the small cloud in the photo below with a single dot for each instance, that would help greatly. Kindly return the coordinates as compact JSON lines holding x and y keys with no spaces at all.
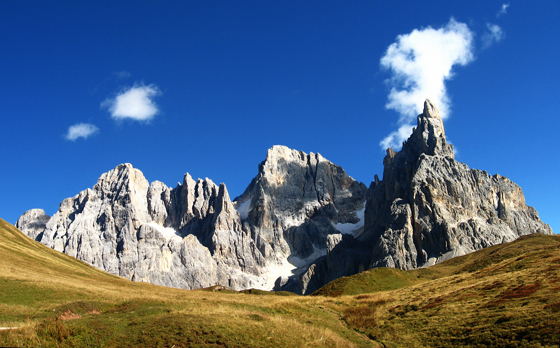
{"x":396,"y":138}
{"x":81,"y":130}
{"x":420,"y":62}
{"x":502,"y":11}
{"x":135,"y":103}
{"x":122,"y":74}
{"x":493,"y":35}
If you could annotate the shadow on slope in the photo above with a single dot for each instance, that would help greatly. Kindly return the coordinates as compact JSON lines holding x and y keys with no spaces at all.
{"x":502,"y":296}
{"x":384,"y":279}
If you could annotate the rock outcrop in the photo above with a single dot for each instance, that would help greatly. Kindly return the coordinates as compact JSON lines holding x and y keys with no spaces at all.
{"x":429,"y":208}
{"x":188,"y":237}
{"x":33,"y":222}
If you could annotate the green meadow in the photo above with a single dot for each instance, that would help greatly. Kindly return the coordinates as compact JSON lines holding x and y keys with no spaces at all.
{"x":503,"y":296}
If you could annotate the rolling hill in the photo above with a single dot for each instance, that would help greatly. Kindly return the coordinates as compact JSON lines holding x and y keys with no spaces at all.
{"x":57,"y":301}
{"x":505,"y":296}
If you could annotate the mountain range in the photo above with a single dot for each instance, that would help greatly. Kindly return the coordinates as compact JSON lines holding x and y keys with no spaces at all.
{"x":301,"y":223}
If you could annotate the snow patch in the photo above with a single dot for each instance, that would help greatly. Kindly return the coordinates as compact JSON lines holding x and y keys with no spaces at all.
{"x":290,"y":219}
{"x":349,"y":228}
{"x":289,"y":267}
{"x":285,"y":269}
{"x":304,"y":263}
{"x":167,"y":232}
{"x":243,"y":208}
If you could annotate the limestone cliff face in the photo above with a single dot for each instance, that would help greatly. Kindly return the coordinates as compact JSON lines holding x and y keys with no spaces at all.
{"x":187,"y":237}
{"x":301,"y":223}
{"x":294,"y":204}
{"x":193,"y":236}
{"x":427,"y":209}
{"x":33,"y":223}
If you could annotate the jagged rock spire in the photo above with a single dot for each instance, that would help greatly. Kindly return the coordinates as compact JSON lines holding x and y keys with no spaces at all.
{"x":429,"y":135}
{"x":429,"y":207}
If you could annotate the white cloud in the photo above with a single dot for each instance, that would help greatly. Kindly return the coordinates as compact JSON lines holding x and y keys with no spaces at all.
{"x":134,"y":103}
{"x":396,"y":138}
{"x":492,"y":35}
{"x":502,"y":11}
{"x":420,"y":63}
{"x":81,"y":130}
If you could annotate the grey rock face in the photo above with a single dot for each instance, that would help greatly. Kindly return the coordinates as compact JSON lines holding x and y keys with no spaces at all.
{"x":192,"y":236}
{"x":33,"y":223}
{"x":301,"y":223}
{"x":294,"y":204}
{"x":429,"y":207}
{"x":187,"y":237}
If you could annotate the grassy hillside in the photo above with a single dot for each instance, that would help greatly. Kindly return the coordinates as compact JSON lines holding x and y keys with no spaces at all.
{"x":57,"y":301}
{"x":503,"y":296}
{"x":507,"y":295}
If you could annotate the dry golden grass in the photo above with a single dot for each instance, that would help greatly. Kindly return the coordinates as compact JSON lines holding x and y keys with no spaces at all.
{"x":56,"y":300}
{"x":503,"y":296}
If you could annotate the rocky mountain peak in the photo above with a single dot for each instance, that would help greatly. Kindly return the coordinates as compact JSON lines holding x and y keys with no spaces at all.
{"x":298,"y":184}
{"x":124,"y":182}
{"x":281,"y":162}
{"x":427,"y":138}
{"x":187,"y":237}
{"x":123,"y":173}
{"x":277,"y":152}
{"x":430,"y":109}
{"x":429,"y":135}
{"x":301,"y":222}
{"x":292,"y":206}
{"x":429,"y":206}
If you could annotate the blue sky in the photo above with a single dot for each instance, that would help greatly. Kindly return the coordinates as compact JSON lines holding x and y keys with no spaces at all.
{"x":206,"y":87}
